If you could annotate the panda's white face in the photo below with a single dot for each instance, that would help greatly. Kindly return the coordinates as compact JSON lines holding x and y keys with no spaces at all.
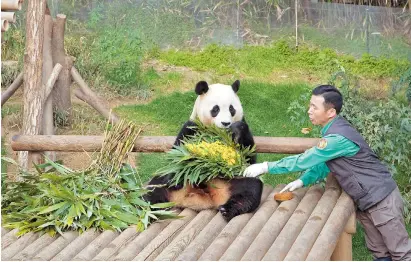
{"x":219,"y":105}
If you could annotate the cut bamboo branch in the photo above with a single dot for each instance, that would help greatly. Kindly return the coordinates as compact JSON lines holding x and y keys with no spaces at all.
{"x":4,"y":25}
{"x":9,"y":16}
{"x":10,"y":5}
{"x":88,"y":96}
{"x":12,"y":88}
{"x":142,"y":144}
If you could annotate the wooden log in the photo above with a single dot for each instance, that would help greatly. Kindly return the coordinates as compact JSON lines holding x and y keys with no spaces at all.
{"x":273,"y":227}
{"x":88,"y":96}
{"x":48,"y":122}
{"x":78,"y":244}
{"x":179,"y":243}
{"x":61,"y":92}
{"x":52,"y":79}
{"x":315,"y":223}
{"x":9,"y":16}
{"x":12,"y":88}
{"x":141,"y":241}
{"x":4,"y":25}
{"x":229,"y":233}
{"x":204,"y":239}
{"x":35,"y":247}
{"x":20,"y":244}
{"x":113,"y":248}
{"x":8,"y":239}
{"x":328,"y":238}
{"x":279,"y":249}
{"x":142,"y":144}
{"x":351,"y":227}
{"x":10,"y":5}
{"x":33,"y":92}
{"x":4,"y":231}
{"x":243,"y":241}
{"x":343,"y":249}
{"x":56,"y":246}
{"x":158,"y":244}
{"x":98,"y":244}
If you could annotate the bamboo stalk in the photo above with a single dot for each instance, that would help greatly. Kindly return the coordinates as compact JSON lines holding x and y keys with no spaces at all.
{"x":9,"y":16}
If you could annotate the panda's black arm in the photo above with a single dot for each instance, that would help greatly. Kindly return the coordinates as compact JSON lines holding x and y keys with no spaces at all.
{"x":243,"y":136}
{"x":185,"y":131}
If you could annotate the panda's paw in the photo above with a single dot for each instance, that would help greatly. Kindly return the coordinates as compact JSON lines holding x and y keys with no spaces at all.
{"x":228,"y":211}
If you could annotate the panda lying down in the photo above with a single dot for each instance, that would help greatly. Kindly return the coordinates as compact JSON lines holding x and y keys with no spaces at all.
{"x":216,"y":104}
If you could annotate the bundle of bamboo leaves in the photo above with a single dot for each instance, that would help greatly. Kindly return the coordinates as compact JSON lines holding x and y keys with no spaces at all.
{"x":107,"y":195}
{"x":209,"y":153}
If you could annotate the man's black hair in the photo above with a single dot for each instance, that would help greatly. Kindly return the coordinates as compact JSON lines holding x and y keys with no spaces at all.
{"x":332,"y":96}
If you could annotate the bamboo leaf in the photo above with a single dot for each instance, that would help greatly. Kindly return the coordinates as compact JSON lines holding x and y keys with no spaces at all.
{"x":52,"y":208}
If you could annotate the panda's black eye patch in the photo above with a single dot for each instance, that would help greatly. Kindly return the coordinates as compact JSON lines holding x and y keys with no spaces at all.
{"x":215,"y":111}
{"x":232,"y":110}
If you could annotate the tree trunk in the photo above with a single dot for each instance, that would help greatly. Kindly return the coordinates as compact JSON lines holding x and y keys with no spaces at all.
{"x":61,"y":92}
{"x":48,"y":123}
{"x":33,"y":63}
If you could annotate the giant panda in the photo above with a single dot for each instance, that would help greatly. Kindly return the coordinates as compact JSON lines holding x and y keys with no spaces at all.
{"x":220,"y":105}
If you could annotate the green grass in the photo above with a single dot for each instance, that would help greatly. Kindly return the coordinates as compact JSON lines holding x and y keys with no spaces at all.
{"x":261,"y":61}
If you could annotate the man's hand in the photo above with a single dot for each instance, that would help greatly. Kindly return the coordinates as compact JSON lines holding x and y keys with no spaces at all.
{"x":256,"y":170}
{"x":293,"y":185}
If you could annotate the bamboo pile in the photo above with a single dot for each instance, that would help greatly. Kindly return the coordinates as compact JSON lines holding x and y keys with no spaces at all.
{"x":8,"y":8}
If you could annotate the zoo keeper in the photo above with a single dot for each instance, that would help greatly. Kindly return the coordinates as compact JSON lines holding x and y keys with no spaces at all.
{"x":344,"y":152}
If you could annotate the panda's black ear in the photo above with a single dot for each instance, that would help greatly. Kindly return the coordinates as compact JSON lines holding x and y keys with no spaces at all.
{"x":201,"y":87}
{"x":236,"y":86}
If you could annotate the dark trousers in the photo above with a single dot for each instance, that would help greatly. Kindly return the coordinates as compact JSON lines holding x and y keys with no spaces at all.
{"x":385,"y":232}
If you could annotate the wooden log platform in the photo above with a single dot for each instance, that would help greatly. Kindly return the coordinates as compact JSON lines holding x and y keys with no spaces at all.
{"x":315,"y":225}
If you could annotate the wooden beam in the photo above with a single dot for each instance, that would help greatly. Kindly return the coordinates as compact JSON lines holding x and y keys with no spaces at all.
{"x":71,"y":143}
{"x":12,"y":88}
{"x":330,"y":235}
{"x":312,"y":228}
{"x":4,"y":25}
{"x":87,"y":95}
{"x":61,"y":92}
{"x":10,"y":5}
{"x":9,"y":16}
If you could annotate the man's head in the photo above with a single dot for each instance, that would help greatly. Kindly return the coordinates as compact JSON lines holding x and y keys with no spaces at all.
{"x":326,"y":102}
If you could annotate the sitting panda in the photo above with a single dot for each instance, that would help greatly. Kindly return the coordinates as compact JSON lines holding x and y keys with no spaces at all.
{"x":216,"y":104}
